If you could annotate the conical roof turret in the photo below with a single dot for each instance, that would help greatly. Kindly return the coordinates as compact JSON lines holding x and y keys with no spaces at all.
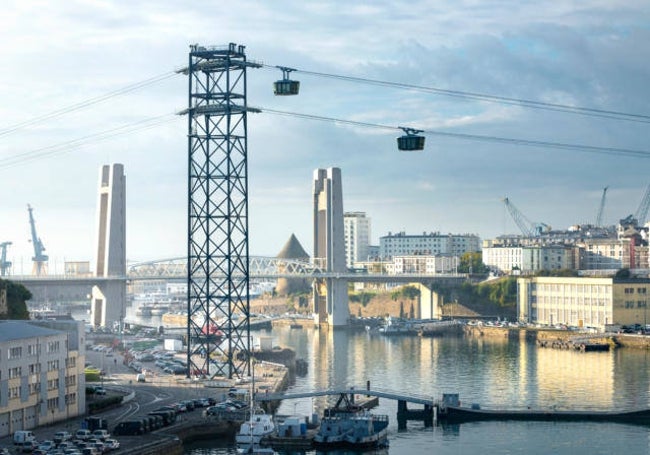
{"x":292,"y":250}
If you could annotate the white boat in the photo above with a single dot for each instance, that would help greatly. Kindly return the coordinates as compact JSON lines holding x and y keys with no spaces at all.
{"x":255,"y":429}
{"x":258,"y":426}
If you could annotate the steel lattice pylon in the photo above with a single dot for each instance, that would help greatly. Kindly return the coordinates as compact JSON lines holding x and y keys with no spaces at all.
{"x":218,"y":263}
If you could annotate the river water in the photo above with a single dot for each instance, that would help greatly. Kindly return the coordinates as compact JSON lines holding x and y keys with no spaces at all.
{"x":495,"y":373}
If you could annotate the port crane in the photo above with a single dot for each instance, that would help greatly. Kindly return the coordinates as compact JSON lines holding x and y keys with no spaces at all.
{"x":642,"y":212}
{"x":5,"y":266}
{"x":527,"y":227}
{"x":40,"y":260}
{"x":601,"y":209}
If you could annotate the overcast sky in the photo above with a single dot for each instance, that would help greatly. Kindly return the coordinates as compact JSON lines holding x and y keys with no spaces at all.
{"x":588,"y":53}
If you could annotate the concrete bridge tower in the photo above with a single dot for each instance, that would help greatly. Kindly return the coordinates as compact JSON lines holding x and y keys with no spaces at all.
{"x":330,"y":294}
{"x":109,"y":298}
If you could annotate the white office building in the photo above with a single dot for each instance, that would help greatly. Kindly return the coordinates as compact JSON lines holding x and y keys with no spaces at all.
{"x":427,"y":244}
{"x":356,"y":226}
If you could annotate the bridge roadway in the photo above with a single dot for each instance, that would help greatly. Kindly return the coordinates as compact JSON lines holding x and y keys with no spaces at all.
{"x":410,"y":398}
{"x":260,"y":268}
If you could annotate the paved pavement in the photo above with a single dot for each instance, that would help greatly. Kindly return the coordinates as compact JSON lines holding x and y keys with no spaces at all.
{"x":159,"y":390}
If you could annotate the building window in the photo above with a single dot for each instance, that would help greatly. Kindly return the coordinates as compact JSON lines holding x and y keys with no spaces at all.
{"x":15,"y":353}
{"x":52,"y":346}
{"x":641,"y":304}
{"x":14,"y":372}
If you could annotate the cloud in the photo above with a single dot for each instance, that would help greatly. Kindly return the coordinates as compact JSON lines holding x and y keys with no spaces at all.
{"x":593,"y":53}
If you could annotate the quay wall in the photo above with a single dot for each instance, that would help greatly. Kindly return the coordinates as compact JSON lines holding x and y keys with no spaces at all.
{"x":534,"y":334}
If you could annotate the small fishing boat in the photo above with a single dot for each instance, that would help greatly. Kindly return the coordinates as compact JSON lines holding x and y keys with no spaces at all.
{"x":351,"y":426}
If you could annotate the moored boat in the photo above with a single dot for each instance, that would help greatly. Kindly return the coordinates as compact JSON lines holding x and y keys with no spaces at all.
{"x":257,"y":427}
{"x":352,"y":426}
{"x":450,"y":410}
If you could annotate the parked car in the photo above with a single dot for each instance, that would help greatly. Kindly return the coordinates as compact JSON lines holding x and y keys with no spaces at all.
{"x":101,"y":434}
{"x":129,"y":427}
{"x":83,"y":434}
{"x":27,"y":446}
{"x":47,"y":445}
{"x":112,"y":444}
{"x":61,"y":436}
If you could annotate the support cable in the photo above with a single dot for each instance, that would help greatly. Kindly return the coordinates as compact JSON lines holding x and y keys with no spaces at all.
{"x":592,"y":112}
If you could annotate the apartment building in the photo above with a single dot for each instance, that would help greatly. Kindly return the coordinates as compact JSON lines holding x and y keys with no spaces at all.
{"x":427,"y":244}
{"x":41,"y":373}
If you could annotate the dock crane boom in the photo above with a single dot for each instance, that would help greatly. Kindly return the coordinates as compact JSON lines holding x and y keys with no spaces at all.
{"x":40,"y":260}
{"x":527,"y":227}
{"x":601,"y":209}
{"x":642,"y":211}
{"x":5,"y":265}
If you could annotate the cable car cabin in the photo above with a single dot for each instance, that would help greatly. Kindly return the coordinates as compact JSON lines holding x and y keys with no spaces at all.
{"x":286,"y":87}
{"x":410,"y":142}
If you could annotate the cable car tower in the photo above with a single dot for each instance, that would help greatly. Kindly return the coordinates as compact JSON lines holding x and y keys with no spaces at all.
{"x":217,"y":247}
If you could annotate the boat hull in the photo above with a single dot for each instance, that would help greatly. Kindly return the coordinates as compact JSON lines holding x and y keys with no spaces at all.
{"x":459,"y":414}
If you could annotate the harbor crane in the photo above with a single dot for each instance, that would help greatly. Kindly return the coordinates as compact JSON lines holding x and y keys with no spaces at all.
{"x":5,"y":266}
{"x":601,"y":209}
{"x":642,"y":212}
{"x":527,"y":227}
{"x":39,"y":260}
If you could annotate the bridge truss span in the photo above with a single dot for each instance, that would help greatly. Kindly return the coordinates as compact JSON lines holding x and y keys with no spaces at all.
{"x":259,"y":267}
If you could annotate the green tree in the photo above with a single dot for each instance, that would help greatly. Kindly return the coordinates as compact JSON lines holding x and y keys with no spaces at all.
{"x":17,"y":297}
{"x":472,"y":261}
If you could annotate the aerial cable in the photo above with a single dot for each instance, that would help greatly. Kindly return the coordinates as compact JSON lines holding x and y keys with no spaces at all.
{"x":476,"y":137}
{"x":592,"y":112}
{"x":64,"y":147}
{"x":89,"y":102}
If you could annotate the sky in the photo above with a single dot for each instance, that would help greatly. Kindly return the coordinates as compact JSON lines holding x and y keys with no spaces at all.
{"x":61,"y":53}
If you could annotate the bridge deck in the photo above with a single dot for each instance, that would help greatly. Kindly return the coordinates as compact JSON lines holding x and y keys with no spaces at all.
{"x":410,"y":398}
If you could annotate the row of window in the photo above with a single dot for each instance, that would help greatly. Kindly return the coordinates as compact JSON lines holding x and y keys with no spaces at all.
{"x":638,"y":290}
{"x":639,"y":304}
{"x":16,"y":352}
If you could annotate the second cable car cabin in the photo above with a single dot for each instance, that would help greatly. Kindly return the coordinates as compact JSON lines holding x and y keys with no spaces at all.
{"x":411,"y":141}
{"x":286,"y":86}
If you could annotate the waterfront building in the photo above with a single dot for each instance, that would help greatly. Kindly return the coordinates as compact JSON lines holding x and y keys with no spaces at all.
{"x":356,"y":226}
{"x":428,"y":244}
{"x":583,"y":301}
{"x":41,"y":373}
{"x":528,"y":259}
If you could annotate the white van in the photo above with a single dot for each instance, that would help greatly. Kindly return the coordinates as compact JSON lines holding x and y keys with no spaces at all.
{"x":22,"y":436}
{"x":141,"y":377}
